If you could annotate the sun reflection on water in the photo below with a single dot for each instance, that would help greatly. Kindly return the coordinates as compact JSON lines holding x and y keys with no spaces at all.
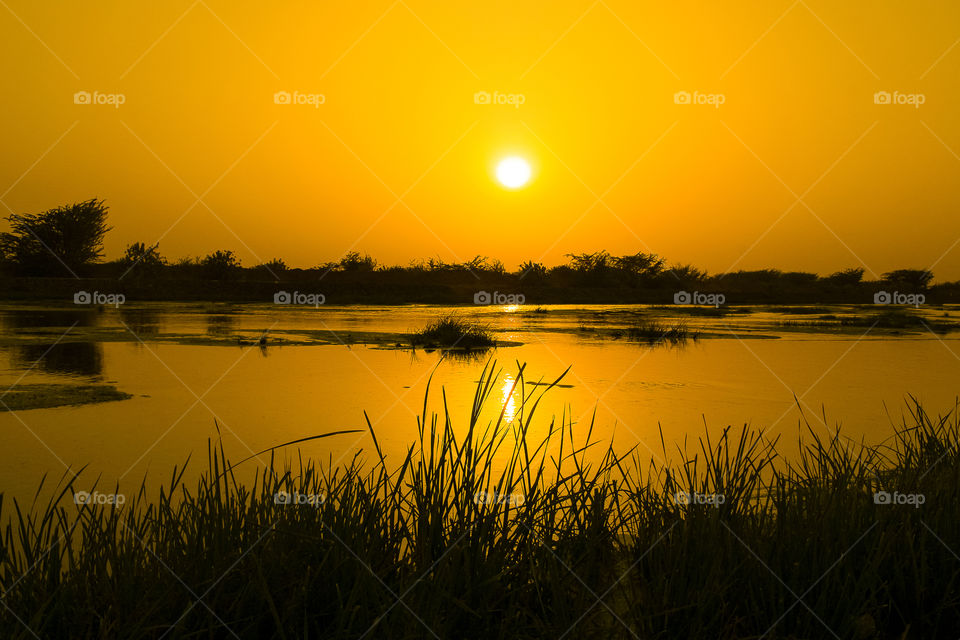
{"x":509,"y":401}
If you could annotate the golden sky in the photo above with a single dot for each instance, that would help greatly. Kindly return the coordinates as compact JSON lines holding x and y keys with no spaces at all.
{"x":799,"y":168}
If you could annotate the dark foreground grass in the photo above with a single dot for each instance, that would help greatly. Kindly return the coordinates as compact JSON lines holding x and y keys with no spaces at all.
{"x":490,"y":534}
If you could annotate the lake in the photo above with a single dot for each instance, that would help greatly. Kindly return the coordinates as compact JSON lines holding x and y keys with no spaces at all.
{"x":190,"y":367}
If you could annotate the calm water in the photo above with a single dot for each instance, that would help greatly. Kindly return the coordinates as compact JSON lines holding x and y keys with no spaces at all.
{"x":263,"y":397}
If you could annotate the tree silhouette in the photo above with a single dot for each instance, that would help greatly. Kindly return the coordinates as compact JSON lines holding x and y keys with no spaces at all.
{"x":273,"y":268}
{"x":909,"y":278}
{"x":685,"y":274}
{"x":220,"y":265}
{"x":141,"y":260}
{"x":642,"y":265}
{"x":589,"y":262}
{"x":57,"y":242}
{"x":353,"y":261}
{"x":531,"y":270}
{"x":853,"y":275}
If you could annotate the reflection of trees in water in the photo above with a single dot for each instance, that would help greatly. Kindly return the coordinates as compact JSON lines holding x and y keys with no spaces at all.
{"x":142,"y":322}
{"x":219,"y":324}
{"x":69,"y":358}
{"x":35,"y":318}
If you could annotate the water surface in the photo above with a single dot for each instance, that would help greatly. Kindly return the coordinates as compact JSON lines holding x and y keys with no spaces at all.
{"x":186,"y":370}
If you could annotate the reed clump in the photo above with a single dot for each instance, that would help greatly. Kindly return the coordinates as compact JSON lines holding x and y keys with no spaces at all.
{"x":655,"y":331}
{"x":453,"y":332}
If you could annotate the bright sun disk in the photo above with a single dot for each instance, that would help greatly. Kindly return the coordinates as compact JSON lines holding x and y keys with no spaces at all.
{"x":513,"y":172}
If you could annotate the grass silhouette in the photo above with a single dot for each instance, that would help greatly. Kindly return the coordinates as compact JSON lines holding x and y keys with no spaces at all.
{"x":482,"y":531}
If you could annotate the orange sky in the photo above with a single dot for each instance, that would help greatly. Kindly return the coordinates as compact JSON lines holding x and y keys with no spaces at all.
{"x":398,"y":160}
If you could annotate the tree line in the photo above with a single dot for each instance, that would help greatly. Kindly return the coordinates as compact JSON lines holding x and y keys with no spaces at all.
{"x":68,"y":241}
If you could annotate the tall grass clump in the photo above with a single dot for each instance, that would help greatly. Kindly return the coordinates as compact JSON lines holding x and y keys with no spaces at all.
{"x":453,"y":332}
{"x":481,"y":530}
{"x":655,"y":331}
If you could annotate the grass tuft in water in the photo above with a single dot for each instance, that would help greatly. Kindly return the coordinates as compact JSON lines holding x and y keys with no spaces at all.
{"x":44,"y":396}
{"x":899,"y":319}
{"x":656,"y":331}
{"x":453,"y":332}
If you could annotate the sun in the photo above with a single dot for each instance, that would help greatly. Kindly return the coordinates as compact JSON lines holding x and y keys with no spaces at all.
{"x":513,"y":172}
